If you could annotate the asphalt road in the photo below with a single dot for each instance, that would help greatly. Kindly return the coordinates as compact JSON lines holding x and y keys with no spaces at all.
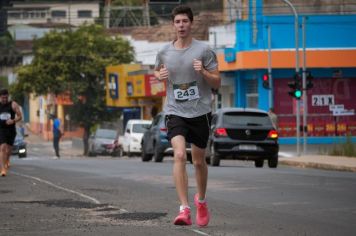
{"x":124,"y":196}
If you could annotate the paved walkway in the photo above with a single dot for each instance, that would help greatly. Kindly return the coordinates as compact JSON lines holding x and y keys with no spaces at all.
{"x":306,"y":161}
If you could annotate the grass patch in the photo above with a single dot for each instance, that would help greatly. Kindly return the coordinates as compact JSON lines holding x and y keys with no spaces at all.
{"x":347,"y":149}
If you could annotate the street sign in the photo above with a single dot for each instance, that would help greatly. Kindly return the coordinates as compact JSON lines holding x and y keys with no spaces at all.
{"x":323,"y":100}
{"x":343,"y":112}
{"x":336,"y":107}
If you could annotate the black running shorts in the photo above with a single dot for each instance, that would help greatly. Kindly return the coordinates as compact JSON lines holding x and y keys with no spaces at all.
{"x":195,"y":130}
{"x":7,"y":136}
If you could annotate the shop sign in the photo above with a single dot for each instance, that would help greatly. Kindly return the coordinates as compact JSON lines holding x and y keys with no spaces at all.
{"x":323,"y":100}
{"x":114,"y":85}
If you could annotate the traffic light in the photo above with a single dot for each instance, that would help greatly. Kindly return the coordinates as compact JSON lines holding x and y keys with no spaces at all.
{"x":296,"y":87}
{"x":309,"y":81}
{"x":265,"y":79}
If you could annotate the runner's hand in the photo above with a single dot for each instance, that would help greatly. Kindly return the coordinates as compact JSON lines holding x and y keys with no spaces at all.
{"x":198,"y":65}
{"x":10,"y":122}
{"x":163,"y":73}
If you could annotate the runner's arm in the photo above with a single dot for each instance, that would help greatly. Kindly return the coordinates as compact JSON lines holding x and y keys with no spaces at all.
{"x":212,"y":77}
{"x":18,"y":112}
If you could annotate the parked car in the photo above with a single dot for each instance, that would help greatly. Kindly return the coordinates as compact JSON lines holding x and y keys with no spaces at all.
{"x":20,"y":146}
{"x":105,"y":142}
{"x":243,"y":134}
{"x":155,"y":142}
{"x":134,"y":130}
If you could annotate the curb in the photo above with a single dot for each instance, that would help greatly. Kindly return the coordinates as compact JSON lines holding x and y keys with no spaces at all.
{"x":317,"y":166}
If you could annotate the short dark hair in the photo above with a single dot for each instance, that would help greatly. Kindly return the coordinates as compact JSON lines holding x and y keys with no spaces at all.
{"x":182,"y":9}
{"x":4,"y":92}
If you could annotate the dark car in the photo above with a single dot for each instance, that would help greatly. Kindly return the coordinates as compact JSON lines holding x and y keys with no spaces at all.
{"x":155,"y":142}
{"x":243,"y":134}
{"x":105,"y":142}
{"x":20,"y":145}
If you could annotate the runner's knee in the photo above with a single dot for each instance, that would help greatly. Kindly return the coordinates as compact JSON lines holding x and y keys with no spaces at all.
{"x":199,"y":162}
{"x":179,"y":155}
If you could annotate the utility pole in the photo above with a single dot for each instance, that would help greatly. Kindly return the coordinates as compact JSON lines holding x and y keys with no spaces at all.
{"x":69,"y":11}
{"x":147,"y":13}
{"x":305,"y":96}
{"x":107,"y":10}
{"x":296,"y":27}
{"x":270,"y":93}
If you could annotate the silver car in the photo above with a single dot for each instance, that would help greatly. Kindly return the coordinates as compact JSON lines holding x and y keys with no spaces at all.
{"x":105,"y":142}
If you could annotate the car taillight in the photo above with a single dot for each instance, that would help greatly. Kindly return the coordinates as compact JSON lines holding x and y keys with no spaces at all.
{"x":220,"y":132}
{"x":163,"y":129}
{"x":273,"y":134}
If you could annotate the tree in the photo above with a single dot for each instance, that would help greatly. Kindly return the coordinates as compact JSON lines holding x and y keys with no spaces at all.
{"x":74,"y":62}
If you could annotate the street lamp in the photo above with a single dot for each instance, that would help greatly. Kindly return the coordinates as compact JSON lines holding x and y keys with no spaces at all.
{"x":296,"y":27}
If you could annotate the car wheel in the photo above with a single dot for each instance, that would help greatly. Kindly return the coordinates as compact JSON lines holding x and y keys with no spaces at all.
{"x":91,"y":153}
{"x":259,"y":163}
{"x":207,"y":156}
{"x":158,"y":156}
{"x":214,"y":157}
{"x":121,"y":152}
{"x":273,"y":161}
{"x":144,"y":156}
{"x":117,"y":152}
{"x":22,"y":155}
{"x":190,"y":158}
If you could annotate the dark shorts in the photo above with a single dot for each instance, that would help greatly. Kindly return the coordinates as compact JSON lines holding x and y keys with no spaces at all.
{"x":7,"y":136}
{"x":195,"y":130}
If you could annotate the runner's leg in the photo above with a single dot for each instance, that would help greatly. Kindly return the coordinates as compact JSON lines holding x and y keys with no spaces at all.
{"x":179,"y":171}
{"x":3,"y":159}
{"x":201,"y":170}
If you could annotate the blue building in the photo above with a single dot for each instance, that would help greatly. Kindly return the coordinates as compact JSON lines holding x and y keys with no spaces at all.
{"x":266,"y":42}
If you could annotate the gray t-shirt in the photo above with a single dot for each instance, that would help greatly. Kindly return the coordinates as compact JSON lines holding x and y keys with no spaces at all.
{"x":188,"y":93}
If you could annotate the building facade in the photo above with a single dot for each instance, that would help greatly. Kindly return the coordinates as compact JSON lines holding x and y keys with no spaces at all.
{"x":73,"y":13}
{"x":266,"y":41}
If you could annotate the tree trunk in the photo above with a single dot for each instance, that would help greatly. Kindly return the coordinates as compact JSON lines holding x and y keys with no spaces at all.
{"x":86,"y":140}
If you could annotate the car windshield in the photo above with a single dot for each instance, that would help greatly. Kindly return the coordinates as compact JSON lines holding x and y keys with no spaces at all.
{"x":106,"y":133}
{"x":140,"y":128}
{"x":246,"y":118}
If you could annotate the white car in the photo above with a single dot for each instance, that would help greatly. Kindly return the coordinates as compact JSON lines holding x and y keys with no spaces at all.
{"x":131,"y":142}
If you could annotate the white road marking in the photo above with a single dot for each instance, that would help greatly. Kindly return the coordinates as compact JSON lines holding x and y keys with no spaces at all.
{"x":59,"y":187}
{"x":199,"y":232}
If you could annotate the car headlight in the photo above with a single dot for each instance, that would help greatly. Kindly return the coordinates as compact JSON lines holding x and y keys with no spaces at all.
{"x":22,"y":150}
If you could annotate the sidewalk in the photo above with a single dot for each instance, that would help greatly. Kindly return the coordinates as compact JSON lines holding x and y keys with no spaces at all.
{"x":321,"y":162}
{"x":67,"y":149}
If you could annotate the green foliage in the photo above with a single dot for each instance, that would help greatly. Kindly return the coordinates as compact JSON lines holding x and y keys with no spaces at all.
{"x":345,"y":149}
{"x":74,"y":62}
{"x":3,"y":82}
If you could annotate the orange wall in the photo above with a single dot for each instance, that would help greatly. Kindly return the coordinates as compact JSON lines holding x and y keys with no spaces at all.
{"x":286,"y":59}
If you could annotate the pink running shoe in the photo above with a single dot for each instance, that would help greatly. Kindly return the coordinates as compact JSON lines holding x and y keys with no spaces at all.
{"x":183,"y":217}
{"x":203,"y":216}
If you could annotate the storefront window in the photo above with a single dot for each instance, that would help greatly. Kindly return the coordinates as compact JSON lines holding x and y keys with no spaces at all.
{"x":251,"y":93}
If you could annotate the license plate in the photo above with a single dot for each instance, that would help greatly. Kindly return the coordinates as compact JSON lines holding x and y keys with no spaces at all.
{"x":247,"y":147}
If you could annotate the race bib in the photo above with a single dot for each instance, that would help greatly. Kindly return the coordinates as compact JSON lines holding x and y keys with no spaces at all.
{"x":5,"y":116}
{"x":186,"y":92}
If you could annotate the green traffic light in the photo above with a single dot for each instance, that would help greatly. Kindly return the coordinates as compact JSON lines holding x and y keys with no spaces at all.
{"x":297,"y":93}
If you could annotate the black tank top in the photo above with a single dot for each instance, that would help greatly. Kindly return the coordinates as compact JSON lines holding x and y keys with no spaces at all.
{"x":6,"y":112}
